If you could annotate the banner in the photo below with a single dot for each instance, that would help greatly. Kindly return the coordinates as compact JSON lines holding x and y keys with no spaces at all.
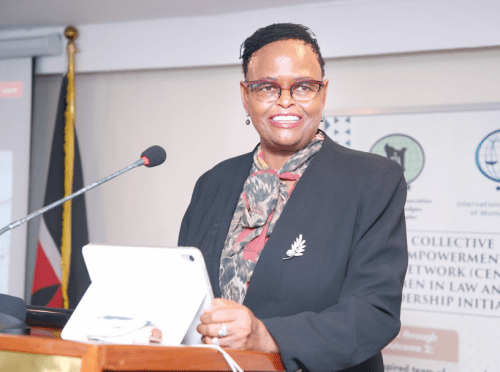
{"x":47,"y":281}
{"x":451,"y":297}
{"x":16,"y":76}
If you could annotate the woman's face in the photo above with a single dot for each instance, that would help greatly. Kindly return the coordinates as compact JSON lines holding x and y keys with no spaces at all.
{"x":285,"y":126}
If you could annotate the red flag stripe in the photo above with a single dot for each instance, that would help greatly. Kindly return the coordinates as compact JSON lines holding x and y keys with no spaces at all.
{"x":50,"y":248}
{"x":44,"y":273}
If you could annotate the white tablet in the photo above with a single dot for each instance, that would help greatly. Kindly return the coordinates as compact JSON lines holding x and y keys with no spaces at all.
{"x":168,"y":287}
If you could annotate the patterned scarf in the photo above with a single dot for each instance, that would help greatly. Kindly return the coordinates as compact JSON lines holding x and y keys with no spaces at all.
{"x":259,"y":207}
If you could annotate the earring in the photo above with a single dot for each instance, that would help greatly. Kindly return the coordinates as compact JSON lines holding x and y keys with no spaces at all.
{"x":248,"y":120}
{"x":322,"y":118}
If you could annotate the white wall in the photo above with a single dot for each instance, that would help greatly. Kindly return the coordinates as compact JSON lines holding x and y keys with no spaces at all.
{"x":343,"y":27}
{"x":417,"y":79}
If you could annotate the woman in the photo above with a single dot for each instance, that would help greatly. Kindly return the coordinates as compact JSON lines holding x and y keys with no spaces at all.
{"x":304,"y":240}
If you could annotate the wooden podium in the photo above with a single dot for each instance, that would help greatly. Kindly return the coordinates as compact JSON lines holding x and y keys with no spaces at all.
{"x":44,"y":350}
{"x":25,"y":353}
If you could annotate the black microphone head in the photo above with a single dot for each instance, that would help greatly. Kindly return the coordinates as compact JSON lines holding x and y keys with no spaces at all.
{"x":153,"y":156}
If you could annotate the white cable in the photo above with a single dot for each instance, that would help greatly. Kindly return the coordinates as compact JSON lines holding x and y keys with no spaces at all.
{"x":230,"y":361}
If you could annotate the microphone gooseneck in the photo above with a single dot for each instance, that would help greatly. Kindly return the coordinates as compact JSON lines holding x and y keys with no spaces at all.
{"x":153,"y":156}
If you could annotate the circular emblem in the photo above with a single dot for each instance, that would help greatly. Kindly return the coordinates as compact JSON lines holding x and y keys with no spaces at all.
{"x":488,"y":156}
{"x":404,"y":150}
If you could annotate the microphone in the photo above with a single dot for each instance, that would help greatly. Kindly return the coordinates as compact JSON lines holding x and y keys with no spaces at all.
{"x":12,"y":315}
{"x":151,"y":157}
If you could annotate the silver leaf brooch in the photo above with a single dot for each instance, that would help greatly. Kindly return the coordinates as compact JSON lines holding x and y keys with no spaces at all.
{"x":297,"y":248}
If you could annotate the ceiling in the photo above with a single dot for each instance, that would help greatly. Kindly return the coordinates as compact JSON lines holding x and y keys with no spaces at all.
{"x":37,"y":13}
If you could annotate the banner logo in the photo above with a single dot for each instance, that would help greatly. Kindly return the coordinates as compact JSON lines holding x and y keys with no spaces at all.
{"x":488,"y":156}
{"x":405,"y":151}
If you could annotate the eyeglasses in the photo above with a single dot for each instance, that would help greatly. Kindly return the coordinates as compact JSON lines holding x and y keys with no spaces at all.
{"x":300,"y":91}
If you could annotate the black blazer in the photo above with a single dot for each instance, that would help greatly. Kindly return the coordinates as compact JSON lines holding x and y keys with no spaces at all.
{"x":338,"y":305}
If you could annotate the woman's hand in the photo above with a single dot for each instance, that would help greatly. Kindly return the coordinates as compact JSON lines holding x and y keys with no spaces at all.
{"x":244,"y":330}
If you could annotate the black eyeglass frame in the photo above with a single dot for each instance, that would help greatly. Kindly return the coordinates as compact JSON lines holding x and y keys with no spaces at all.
{"x":320,"y":83}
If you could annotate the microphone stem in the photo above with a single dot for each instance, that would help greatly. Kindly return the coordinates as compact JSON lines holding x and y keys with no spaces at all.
{"x":69,"y":197}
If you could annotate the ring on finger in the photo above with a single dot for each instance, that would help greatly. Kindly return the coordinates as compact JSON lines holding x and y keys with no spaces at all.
{"x":223,"y":330}
{"x":215,"y":341}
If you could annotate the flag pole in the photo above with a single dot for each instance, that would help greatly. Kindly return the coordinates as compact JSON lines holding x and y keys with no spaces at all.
{"x":69,"y":155}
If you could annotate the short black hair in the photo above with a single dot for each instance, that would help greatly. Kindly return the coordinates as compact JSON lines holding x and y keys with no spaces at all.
{"x":275,"y":32}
